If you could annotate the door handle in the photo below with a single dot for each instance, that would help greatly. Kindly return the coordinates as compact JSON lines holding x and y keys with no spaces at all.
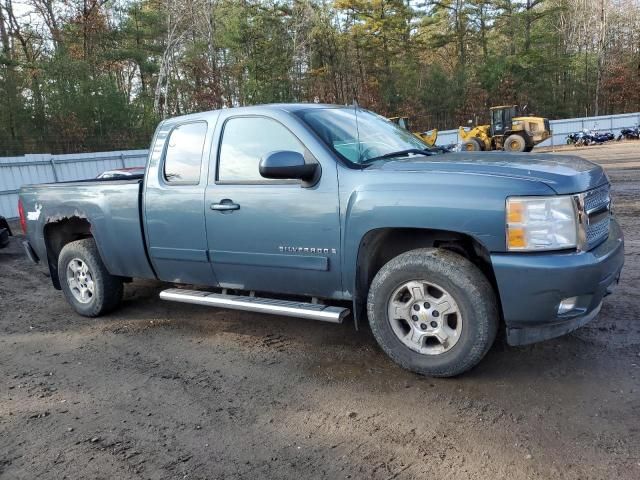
{"x":225,"y":205}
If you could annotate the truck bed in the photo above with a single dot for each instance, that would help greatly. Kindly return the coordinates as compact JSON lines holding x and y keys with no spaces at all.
{"x":111,"y":206}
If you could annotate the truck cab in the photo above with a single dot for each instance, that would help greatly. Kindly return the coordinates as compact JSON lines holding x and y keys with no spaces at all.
{"x":253,"y":231}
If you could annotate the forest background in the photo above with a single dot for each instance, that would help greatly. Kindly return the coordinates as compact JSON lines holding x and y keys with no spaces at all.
{"x":96,"y":75}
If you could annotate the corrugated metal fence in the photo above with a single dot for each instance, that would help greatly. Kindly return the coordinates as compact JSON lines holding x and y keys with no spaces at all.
{"x":46,"y":168}
{"x":43,"y":168}
{"x":562,"y":128}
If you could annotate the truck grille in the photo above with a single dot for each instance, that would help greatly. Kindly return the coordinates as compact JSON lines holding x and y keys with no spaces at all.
{"x":597,"y":228}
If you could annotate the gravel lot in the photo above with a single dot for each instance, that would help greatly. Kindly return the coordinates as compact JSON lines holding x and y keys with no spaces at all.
{"x":163,"y":391}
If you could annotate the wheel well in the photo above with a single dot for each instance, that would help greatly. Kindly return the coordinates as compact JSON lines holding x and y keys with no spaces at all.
{"x":57,"y":235}
{"x":379,"y":246}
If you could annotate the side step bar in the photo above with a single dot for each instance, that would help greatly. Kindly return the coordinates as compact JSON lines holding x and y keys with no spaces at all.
{"x":310,"y":311}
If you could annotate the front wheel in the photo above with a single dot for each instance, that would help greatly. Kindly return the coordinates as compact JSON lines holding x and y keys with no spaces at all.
{"x":472,"y":145}
{"x":87,"y":285}
{"x":433,"y":312}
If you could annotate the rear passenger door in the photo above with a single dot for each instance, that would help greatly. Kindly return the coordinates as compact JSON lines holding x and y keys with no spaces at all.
{"x":173,"y":203}
{"x":280,"y":235}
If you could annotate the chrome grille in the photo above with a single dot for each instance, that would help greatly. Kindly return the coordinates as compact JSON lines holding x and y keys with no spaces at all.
{"x":593,"y":200}
{"x":596,"y":198}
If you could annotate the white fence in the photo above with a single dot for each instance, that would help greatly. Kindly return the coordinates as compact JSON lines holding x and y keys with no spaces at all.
{"x":562,"y":128}
{"x":46,"y":168}
{"x":43,"y":168}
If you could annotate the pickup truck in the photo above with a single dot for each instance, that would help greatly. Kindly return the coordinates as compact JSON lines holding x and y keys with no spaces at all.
{"x":324,"y":211}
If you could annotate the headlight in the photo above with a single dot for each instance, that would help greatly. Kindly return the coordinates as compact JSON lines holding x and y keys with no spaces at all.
{"x":541,"y":223}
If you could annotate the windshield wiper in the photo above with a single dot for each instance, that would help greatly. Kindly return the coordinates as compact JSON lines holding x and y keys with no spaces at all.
{"x":399,"y":153}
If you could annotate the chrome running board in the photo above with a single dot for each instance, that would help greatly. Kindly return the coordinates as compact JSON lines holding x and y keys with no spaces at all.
{"x":310,"y":311}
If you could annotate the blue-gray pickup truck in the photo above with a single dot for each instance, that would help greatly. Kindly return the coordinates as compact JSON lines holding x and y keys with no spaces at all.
{"x":321,"y":211}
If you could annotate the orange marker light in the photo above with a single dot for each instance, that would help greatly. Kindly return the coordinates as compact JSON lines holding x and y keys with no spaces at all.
{"x":515,"y":212}
{"x":516,"y":238}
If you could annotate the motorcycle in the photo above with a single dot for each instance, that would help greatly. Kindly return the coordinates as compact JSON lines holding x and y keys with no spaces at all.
{"x":630,"y":133}
{"x":601,"y":137}
{"x":573,"y":138}
{"x":579,"y":139}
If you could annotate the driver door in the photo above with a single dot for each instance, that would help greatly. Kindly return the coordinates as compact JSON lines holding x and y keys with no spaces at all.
{"x":270,"y":235}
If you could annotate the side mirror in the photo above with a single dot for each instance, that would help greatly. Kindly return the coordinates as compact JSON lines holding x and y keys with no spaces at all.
{"x":285,"y":164}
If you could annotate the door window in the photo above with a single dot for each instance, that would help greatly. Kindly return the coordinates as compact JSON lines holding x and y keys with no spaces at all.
{"x":183,"y":158}
{"x":246,"y":141}
{"x":497,"y":121}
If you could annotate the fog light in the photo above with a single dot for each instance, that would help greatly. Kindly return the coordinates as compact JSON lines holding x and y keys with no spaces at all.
{"x":567,"y":305}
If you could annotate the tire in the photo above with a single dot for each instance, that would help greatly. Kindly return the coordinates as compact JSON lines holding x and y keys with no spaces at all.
{"x":102,"y":291}
{"x":471,"y":145}
{"x":515,"y":143}
{"x":472,"y":297}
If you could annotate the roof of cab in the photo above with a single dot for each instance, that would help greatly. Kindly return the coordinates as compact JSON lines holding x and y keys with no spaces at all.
{"x":287,"y":107}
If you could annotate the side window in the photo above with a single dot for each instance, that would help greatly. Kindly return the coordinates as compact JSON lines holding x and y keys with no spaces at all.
{"x":183,"y":157}
{"x":246,"y":141}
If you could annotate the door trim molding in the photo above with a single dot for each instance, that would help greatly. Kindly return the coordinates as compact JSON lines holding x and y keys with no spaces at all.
{"x":186,"y":254}
{"x":301,"y":262}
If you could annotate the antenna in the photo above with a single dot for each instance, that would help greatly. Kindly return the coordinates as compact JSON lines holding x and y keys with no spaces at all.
{"x":355,"y":111}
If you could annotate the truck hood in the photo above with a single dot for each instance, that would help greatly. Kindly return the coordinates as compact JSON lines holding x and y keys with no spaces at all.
{"x":563,"y":173}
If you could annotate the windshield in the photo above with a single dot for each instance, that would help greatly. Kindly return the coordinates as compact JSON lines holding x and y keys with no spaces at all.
{"x":378,"y":136}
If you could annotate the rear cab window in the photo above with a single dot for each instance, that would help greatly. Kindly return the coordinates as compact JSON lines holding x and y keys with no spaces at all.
{"x":183,"y":154}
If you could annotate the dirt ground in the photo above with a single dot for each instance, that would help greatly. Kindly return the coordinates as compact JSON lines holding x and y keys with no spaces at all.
{"x":164,"y":391}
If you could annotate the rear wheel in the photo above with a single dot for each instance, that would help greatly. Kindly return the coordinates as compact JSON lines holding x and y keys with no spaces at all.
{"x":515,"y":143}
{"x":433,"y":312}
{"x":87,"y":285}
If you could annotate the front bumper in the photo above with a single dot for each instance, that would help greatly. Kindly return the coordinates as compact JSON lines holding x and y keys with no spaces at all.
{"x":532,"y":285}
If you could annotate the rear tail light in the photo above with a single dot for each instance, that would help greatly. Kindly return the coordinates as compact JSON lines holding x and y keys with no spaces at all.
{"x":23,"y":220}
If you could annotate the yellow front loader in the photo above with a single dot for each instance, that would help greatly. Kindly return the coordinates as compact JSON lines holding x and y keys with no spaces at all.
{"x":429,"y":137}
{"x":508,"y":131}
